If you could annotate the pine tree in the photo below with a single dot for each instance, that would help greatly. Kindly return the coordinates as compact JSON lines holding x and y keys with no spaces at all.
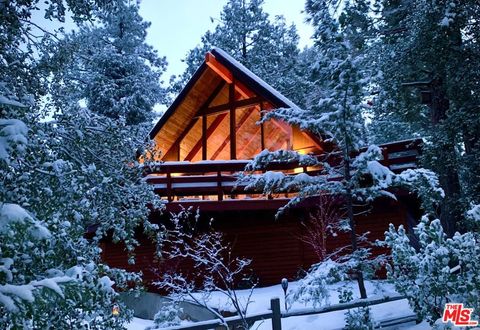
{"x":432,"y":44}
{"x":439,"y":270}
{"x":109,"y":66}
{"x":268,"y":48}
{"x":336,"y":113}
{"x":59,"y":178}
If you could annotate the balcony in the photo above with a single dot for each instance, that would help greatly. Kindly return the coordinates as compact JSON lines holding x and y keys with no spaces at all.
{"x":212,"y":185}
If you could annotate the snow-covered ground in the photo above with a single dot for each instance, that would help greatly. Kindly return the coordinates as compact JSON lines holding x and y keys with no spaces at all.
{"x":260,"y":302}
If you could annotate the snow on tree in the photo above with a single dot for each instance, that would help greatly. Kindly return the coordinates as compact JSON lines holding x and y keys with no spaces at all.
{"x":359,"y":319}
{"x":60,"y":177}
{"x":335,"y":112}
{"x":108,"y":65}
{"x":13,"y":134}
{"x":432,"y":44}
{"x":443,"y":269}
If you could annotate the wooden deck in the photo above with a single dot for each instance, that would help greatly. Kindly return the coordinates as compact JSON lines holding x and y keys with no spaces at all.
{"x":213,"y":185}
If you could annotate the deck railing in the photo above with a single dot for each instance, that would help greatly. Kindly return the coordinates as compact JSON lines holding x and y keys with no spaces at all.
{"x":217,"y":180}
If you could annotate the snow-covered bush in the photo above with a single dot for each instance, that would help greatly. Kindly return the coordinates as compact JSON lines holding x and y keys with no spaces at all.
{"x":167,"y":316}
{"x":359,"y":319}
{"x":441,"y":270}
{"x":42,"y":283}
{"x":314,"y":287}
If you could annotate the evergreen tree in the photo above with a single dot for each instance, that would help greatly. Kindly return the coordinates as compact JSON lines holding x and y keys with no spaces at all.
{"x":59,"y":178}
{"x":109,"y":66}
{"x":432,"y":44}
{"x":268,"y":48}
{"x":336,"y":113}
{"x":440,"y":270}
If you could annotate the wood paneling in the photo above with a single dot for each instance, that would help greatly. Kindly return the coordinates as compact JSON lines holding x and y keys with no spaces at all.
{"x":273,"y":245}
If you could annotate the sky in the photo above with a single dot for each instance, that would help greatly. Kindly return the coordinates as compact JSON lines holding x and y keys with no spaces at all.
{"x":178,"y":25}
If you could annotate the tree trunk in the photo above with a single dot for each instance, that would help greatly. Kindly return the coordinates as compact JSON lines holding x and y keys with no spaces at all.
{"x":444,"y":160}
{"x":351,"y":220}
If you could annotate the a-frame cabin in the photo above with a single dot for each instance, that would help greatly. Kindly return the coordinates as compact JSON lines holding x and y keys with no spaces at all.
{"x":208,"y":135}
{"x":215,"y":116}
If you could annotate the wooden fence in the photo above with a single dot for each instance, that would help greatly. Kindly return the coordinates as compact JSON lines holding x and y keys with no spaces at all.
{"x":276,"y":315}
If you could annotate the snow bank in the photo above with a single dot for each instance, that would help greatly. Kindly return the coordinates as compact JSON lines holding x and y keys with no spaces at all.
{"x":260,"y":302}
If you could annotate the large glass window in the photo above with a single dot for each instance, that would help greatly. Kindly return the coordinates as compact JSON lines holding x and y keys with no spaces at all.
{"x":218,"y":142}
{"x":191,"y":144}
{"x":249,"y":139}
{"x":278,"y":135}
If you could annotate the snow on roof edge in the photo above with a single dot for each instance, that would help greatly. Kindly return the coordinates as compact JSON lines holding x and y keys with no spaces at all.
{"x":256,"y":78}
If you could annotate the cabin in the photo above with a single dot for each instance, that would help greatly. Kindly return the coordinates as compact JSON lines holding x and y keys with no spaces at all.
{"x":208,"y":135}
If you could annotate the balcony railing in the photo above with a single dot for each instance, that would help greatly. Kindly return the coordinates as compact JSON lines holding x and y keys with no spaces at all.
{"x":217,"y":180}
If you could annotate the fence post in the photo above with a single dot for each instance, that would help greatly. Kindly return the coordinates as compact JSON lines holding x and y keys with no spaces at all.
{"x":276,"y":314}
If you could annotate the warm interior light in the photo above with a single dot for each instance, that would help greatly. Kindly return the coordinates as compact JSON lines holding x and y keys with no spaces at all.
{"x":115,"y":310}
{"x":298,"y":170}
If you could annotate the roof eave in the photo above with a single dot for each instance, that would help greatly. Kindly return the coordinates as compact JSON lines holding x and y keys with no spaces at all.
{"x":183,"y":93}
{"x":264,"y":92}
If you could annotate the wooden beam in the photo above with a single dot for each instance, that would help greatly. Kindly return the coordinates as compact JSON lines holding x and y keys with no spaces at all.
{"x":212,"y":96}
{"x":216,"y":122}
{"x":226,"y":75}
{"x":233,"y":137}
{"x":227,"y":139}
{"x":226,"y":107}
{"x":218,"y":68}
{"x":243,"y":90}
{"x":262,"y":128}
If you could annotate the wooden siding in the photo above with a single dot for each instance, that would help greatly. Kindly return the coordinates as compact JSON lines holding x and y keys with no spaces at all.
{"x":273,"y":245}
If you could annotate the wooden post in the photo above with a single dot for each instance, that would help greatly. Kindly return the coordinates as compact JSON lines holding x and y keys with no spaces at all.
{"x":169,"y":186}
{"x":233,"y":128}
{"x":219,"y":186}
{"x":262,"y":128}
{"x":178,"y":150}
{"x":276,"y":314}
{"x":386,"y":160}
{"x":204,"y":137}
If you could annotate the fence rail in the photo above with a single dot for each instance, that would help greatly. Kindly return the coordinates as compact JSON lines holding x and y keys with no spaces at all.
{"x":275,"y":315}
